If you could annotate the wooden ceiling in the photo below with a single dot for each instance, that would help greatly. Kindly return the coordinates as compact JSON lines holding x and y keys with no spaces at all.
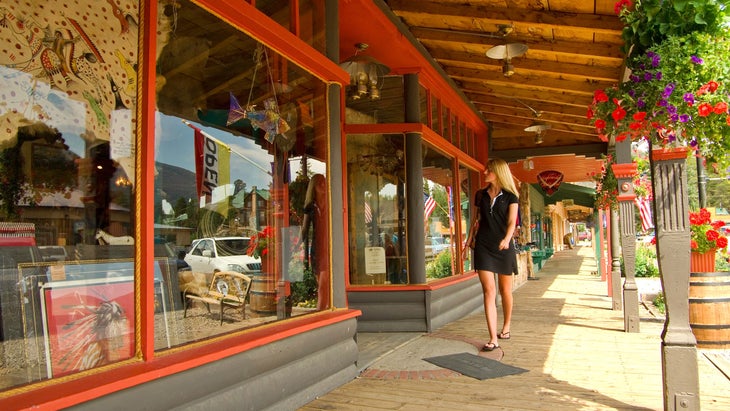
{"x":574,"y":48}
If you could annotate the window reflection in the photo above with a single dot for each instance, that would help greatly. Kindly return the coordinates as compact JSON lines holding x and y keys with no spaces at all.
{"x":241,"y":179}
{"x":467,"y":180}
{"x":439,"y":216}
{"x":376,"y":178}
{"x":67,"y":149}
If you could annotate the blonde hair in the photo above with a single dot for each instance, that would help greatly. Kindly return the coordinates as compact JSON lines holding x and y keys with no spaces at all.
{"x":504,"y":176}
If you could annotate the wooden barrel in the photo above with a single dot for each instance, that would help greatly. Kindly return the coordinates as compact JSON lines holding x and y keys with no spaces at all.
{"x":709,"y":309}
{"x":263,"y":294}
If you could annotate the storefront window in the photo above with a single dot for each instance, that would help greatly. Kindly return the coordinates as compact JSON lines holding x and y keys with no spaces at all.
{"x":67,"y":167}
{"x":423,"y":103}
{"x":240,"y":181}
{"x":445,"y":124}
{"x":435,"y":115}
{"x":389,"y":108}
{"x":439,"y":222}
{"x":311,"y":24}
{"x":468,"y":179}
{"x":376,"y":198}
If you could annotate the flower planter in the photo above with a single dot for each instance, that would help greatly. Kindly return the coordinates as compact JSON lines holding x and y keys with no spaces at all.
{"x":702,"y":262}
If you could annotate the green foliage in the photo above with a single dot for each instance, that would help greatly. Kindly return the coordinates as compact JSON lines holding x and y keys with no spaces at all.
{"x":650,"y":22}
{"x":304,"y":293}
{"x":606,"y":185}
{"x":660,"y":303}
{"x":440,"y":267}
{"x":721,"y":262}
{"x":646,"y":264}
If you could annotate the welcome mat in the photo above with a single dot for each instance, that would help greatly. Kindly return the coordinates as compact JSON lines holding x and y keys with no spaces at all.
{"x":474,"y":366}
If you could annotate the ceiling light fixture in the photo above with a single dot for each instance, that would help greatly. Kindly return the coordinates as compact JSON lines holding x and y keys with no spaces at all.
{"x":506,"y":52}
{"x":366,"y":73}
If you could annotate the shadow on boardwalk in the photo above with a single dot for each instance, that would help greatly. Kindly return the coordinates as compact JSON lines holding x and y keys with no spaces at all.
{"x":564,"y":332}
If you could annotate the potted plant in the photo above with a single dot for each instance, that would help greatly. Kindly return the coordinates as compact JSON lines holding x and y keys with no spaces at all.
{"x":261,"y":245}
{"x":705,"y":240}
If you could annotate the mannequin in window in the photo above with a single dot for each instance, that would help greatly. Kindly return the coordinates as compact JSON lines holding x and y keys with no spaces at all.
{"x":316,"y":252}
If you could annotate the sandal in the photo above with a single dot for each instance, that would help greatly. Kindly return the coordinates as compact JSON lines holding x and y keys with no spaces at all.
{"x":503,"y":335}
{"x":490,"y":347}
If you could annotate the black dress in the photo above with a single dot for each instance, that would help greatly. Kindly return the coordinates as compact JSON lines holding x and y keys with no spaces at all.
{"x":492,"y":229}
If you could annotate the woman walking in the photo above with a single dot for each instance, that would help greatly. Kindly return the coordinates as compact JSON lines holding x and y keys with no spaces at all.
{"x":495,"y":215}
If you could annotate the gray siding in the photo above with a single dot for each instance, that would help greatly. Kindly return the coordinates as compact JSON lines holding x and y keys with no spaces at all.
{"x":415,"y":310}
{"x":283,"y":375}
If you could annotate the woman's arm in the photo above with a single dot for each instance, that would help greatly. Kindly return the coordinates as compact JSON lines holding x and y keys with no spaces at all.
{"x":511,"y":223}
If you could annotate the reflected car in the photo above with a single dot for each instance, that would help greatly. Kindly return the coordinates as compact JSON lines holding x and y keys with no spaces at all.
{"x":210,"y":255}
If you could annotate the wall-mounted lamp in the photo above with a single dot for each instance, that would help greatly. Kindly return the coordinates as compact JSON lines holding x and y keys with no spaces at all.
{"x":366,"y":73}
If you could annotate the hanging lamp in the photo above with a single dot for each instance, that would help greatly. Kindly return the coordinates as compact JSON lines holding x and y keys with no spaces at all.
{"x":366,"y":74}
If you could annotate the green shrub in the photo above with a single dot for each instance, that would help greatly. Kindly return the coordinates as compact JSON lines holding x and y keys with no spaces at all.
{"x":659,"y":302}
{"x":646,"y":264}
{"x":440,"y":267}
{"x":721,"y":263}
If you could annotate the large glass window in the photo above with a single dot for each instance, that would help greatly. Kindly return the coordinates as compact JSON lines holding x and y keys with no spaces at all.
{"x":241,"y":187}
{"x":468,"y":183}
{"x":439,"y":223}
{"x":376,"y":198}
{"x":67,"y":165}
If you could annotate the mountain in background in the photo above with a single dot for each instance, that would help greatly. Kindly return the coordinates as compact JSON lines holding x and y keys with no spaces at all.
{"x":176,"y":182}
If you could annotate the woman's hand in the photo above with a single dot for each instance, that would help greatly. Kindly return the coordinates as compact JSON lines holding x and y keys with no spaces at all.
{"x":504,"y":244}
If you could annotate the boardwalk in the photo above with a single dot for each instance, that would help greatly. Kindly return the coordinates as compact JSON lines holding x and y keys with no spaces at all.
{"x":564,"y":332}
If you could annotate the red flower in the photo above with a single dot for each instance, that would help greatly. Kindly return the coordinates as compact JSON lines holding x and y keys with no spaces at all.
{"x":712,"y":235}
{"x":589,"y":114}
{"x":704,"y":109}
{"x":720,"y":108}
{"x":640,"y":115}
{"x":621,"y":4}
{"x":721,"y":242}
{"x":705,"y":216}
{"x":717,"y":224}
{"x":600,"y":96}
{"x":618,"y":114}
{"x":600,"y":124}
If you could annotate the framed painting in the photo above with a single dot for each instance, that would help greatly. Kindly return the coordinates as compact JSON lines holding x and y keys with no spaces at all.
{"x":88,"y":323}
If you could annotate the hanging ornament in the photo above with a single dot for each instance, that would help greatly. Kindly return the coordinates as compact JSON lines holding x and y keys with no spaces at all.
{"x":549,"y":181}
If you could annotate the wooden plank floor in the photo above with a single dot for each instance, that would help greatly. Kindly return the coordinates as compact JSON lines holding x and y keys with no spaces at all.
{"x":571,"y":341}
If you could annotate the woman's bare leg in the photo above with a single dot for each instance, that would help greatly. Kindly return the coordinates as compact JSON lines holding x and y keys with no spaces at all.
{"x":505,"y":291}
{"x":489,"y":290}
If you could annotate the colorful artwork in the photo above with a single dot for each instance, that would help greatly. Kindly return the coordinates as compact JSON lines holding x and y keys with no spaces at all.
{"x":89,"y":325}
{"x":68,"y":67}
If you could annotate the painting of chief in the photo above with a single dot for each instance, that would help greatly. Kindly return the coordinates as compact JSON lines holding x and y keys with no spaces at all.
{"x":88,"y":325}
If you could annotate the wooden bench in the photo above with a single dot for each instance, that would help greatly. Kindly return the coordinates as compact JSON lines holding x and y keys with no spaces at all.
{"x":227,"y":288}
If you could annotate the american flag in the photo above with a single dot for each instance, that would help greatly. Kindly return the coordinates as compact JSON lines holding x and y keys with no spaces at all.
{"x":429,"y":204}
{"x":368,"y":213}
{"x":644,"y":205}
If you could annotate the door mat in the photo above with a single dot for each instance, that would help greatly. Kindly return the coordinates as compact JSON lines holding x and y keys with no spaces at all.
{"x":474,"y":366}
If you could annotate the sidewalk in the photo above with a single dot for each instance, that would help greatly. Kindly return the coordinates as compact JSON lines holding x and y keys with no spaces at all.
{"x":564,"y":333}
